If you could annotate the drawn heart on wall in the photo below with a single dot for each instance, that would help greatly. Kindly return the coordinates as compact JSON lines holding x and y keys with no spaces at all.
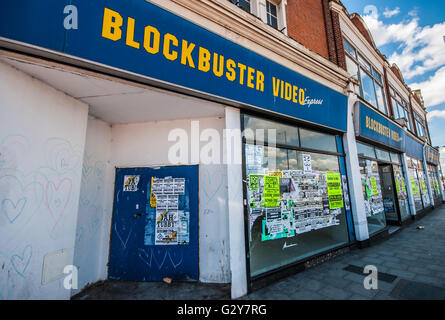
{"x":18,"y":201}
{"x":123,"y":239}
{"x":145,"y":257}
{"x":61,"y":155}
{"x":21,"y":262}
{"x":57,"y":198}
{"x":13,"y":151}
{"x":13,"y":210}
{"x":211,"y":183}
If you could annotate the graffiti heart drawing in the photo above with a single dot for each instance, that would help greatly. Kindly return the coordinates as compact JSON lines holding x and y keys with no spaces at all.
{"x":12,"y":209}
{"x":21,"y":262}
{"x":61,"y":155}
{"x":13,"y":151}
{"x":211,"y":183}
{"x":20,"y":198}
{"x":57,"y":197}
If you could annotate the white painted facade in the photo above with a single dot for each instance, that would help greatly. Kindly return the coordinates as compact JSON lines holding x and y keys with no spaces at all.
{"x":42,"y":142}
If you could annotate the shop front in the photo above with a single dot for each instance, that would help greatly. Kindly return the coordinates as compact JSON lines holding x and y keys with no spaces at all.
{"x":380,"y":147}
{"x":143,"y":73}
{"x":296,"y":191}
{"x":432,"y":159}
{"x":417,"y":174}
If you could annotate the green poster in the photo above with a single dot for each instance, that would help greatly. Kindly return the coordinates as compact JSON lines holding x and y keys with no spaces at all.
{"x":254,"y":181}
{"x":271,"y":191}
{"x":334,"y":190}
{"x":398,"y":186}
{"x":375,"y":191}
{"x":413,"y":186}
{"x":403,"y":185}
{"x":424,"y":188}
{"x":368,"y":191}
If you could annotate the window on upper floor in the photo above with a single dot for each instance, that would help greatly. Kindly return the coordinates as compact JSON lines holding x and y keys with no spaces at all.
{"x":244,"y":4}
{"x":420,"y":125}
{"x":371,"y":84}
{"x":400,"y":108}
{"x":271,"y":12}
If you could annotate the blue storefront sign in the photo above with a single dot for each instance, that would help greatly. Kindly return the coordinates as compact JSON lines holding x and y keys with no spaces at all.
{"x":377,"y":128}
{"x":432,"y":155}
{"x":138,"y":37}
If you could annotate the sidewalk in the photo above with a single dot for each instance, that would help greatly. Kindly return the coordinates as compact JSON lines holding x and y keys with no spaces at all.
{"x":411,"y":265}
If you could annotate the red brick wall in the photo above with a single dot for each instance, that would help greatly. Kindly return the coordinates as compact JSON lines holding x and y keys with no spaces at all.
{"x":306,"y":25}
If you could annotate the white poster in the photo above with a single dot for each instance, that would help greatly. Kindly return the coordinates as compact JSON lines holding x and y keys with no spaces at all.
{"x":307,"y":163}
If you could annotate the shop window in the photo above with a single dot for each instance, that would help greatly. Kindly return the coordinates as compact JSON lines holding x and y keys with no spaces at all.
{"x":293,"y":211}
{"x":265,"y":130}
{"x":352,"y":67}
{"x":372,"y":193}
{"x":365,"y":151}
{"x":401,"y":191}
{"x":434,"y":182}
{"x":395,"y":158}
{"x":417,"y":184}
{"x":382,"y":155}
{"x":317,"y":140}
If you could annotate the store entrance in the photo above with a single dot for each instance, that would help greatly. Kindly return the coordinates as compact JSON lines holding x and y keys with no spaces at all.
{"x":390,"y":201}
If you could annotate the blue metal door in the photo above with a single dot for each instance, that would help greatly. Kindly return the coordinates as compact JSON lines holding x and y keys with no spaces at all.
{"x":155,"y":224}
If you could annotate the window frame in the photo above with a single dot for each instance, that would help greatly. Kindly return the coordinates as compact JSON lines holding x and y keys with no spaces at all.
{"x":368,"y":68}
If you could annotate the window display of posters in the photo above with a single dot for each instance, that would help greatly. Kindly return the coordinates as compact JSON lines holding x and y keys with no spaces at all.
{"x":297,"y":203}
{"x":334,"y":190}
{"x":346,"y":192}
{"x":416,"y":176}
{"x":371,"y":188}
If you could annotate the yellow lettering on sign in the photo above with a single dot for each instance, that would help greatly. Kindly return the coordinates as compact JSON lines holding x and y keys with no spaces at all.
{"x":276,"y":86}
{"x":112,"y":23}
{"x":294,"y":94}
{"x":218,"y":65}
{"x":231,"y":74}
{"x":302,"y":97}
{"x":130,"y":34}
{"x":242,"y":68}
{"x":288,"y":92}
{"x":169,"y":40}
{"x":186,"y":53}
{"x":152,"y":38}
{"x":259,"y":81}
{"x":250,"y":77}
{"x":204,"y":59}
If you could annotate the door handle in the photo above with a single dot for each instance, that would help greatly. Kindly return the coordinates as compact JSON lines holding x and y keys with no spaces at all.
{"x":138,"y":215}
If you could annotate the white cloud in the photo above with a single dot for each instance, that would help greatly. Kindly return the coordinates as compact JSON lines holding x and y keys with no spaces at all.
{"x":390,"y":13}
{"x":420,"y":50}
{"x":433,"y":91}
{"x":436,"y":114}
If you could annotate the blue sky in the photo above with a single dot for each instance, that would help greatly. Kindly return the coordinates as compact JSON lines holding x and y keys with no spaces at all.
{"x":411,"y":34}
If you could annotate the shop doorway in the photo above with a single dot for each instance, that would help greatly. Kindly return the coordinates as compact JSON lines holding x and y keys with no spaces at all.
{"x":390,"y":200}
{"x":155,"y":224}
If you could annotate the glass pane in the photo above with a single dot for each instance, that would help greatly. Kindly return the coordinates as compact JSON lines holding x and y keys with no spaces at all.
{"x":372,"y":192}
{"x":349,"y":48}
{"x":415,"y":187}
{"x":365,"y":151}
{"x":365,"y":64}
{"x":244,"y":4}
{"x":318,"y":141}
{"x":402,"y":195}
{"x":368,"y":88}
{"x":382,"y":155}
{"x":380,"y":98}
{"x":264,"y":130}
{"x":395,"y":158}
{"x":395,"y":109}
{"x":352,"y":67}
{"x":376,"y":75}
{"x":295,"y":212}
